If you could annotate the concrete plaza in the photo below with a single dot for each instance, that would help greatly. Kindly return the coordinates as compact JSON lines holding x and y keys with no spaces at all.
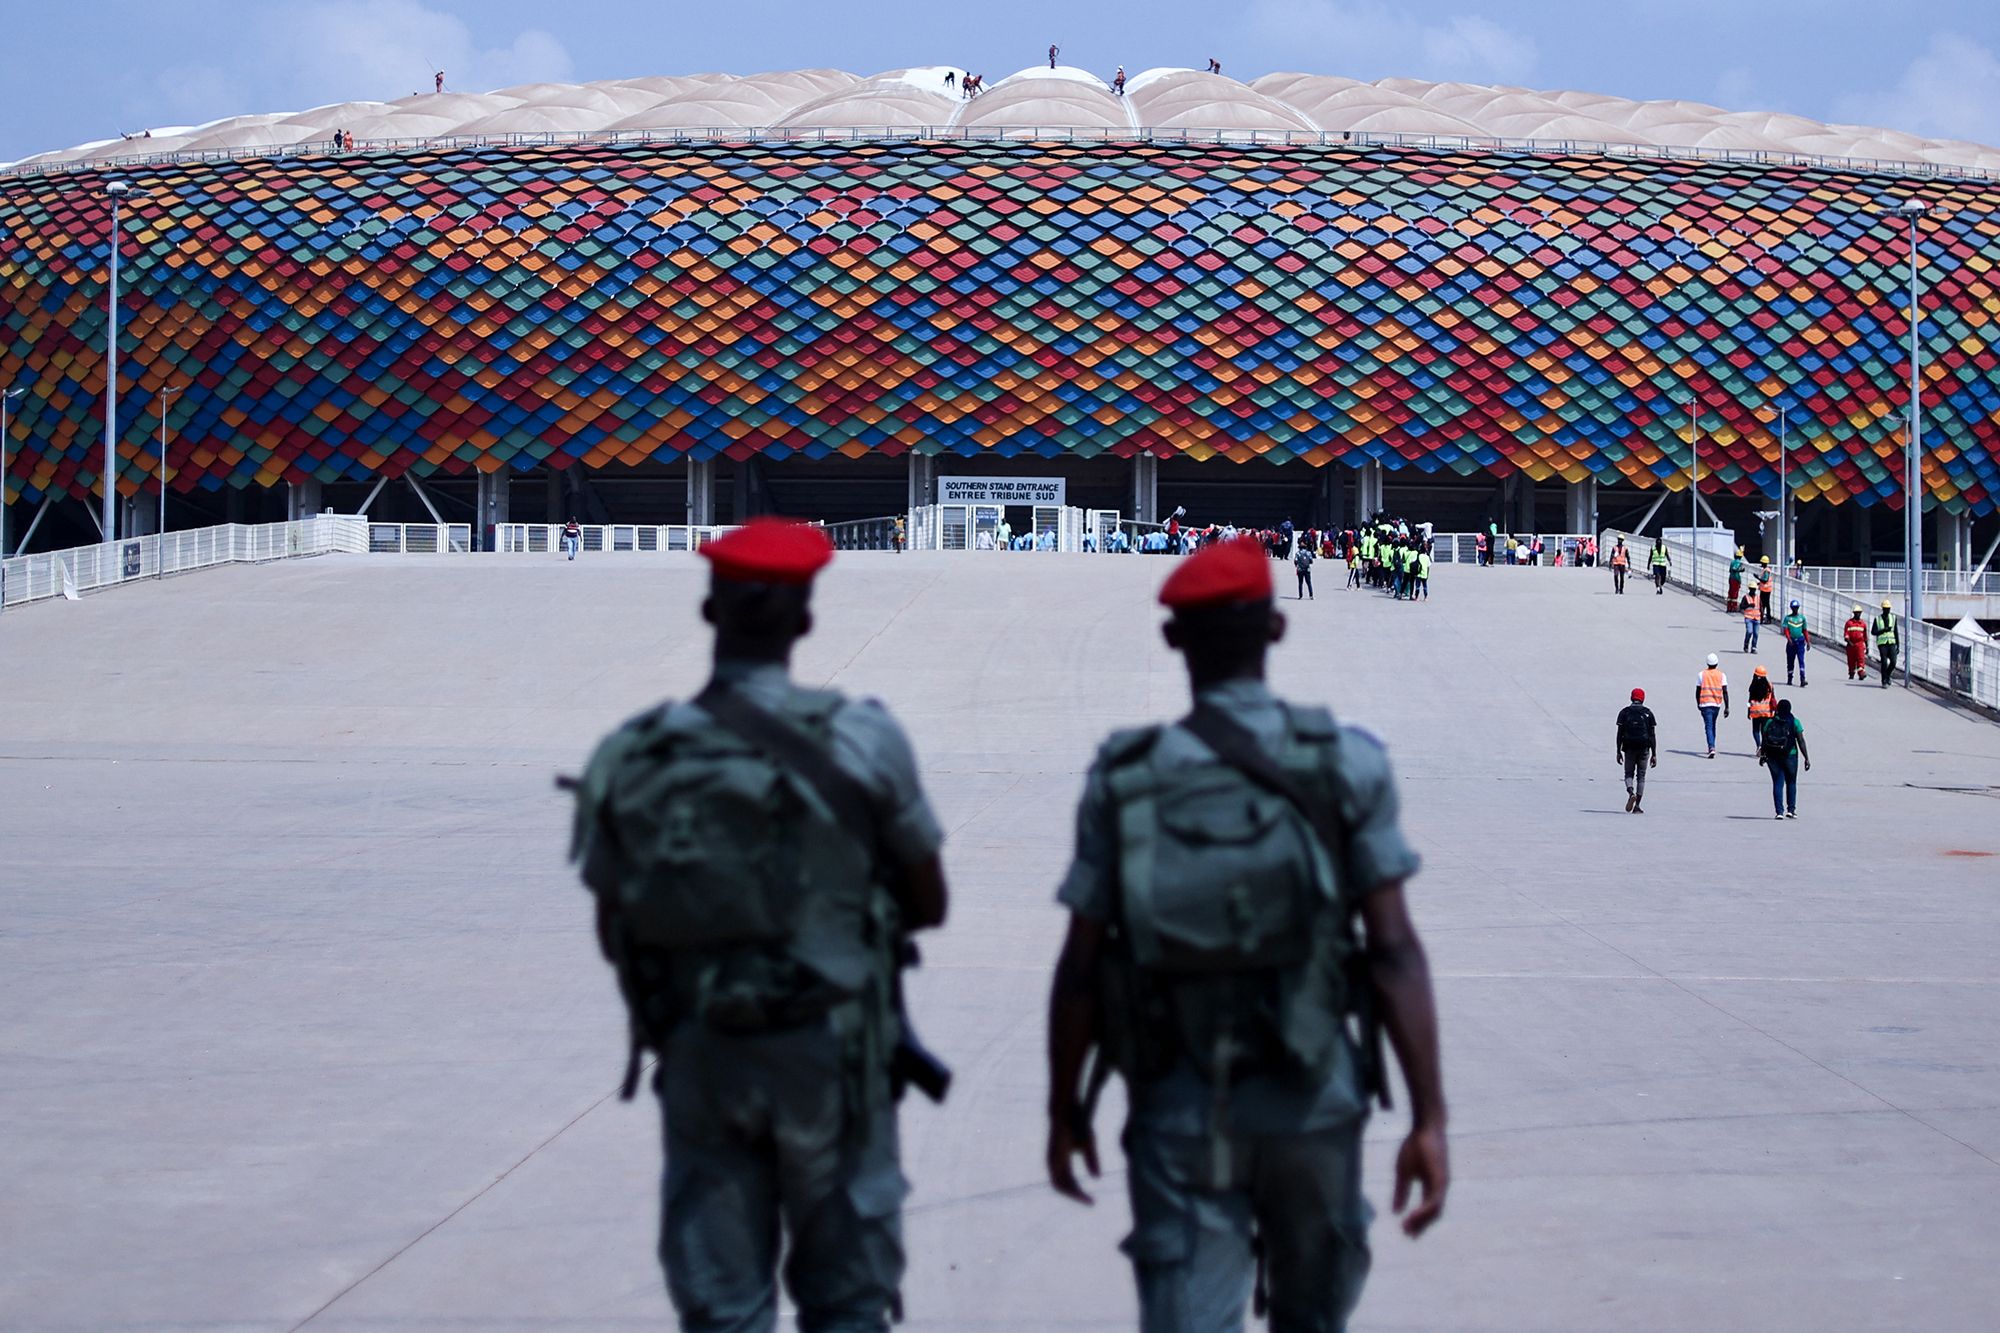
{"x":301,"y":1024}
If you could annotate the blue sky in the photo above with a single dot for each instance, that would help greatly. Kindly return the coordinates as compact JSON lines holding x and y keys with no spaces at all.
{"x":89,"y":69}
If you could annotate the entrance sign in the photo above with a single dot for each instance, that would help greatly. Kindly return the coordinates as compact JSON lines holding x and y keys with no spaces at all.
{"x":1002,"y":491}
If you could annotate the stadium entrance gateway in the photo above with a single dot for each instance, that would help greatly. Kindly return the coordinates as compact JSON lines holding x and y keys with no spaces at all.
{"x":976,"y":506}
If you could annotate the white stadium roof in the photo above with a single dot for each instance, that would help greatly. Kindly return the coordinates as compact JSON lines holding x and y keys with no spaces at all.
{"x":1180,"y":102}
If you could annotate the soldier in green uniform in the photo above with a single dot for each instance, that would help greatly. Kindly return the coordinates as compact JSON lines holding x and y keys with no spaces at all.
{"x":1237,"y":916}
{"x":757,"y":855}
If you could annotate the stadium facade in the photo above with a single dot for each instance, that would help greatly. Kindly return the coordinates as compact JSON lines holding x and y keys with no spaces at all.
{"x":693,"y":298}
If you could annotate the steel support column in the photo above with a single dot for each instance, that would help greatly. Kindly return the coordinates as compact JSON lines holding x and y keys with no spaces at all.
{"x":302,"y":499}
{"x":1146,"y":488}
{"x":1580,"y":505}
{"x":701,"y":492}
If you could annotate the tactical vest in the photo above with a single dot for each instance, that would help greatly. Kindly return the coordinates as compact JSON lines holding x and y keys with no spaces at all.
{"x":739,"y":891}
{"x":1233,"y":940}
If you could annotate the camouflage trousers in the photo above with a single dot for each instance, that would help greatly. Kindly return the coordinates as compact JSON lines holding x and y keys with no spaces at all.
{"x":763,"y":1143}
{"x":1191,"y":1236}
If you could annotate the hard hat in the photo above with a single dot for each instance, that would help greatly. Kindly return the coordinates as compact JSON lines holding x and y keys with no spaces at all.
{"x":1763,"y":559}
{"x":1713,"y":660}
{"x":1795,"y":603}
{"x":1888,"y":605}
{"x":1760,"y":672}
{"x":1857,"y":610}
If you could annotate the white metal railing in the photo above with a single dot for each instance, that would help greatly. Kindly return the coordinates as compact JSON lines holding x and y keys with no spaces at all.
{"x":866,"y":534}
{"x":81,"y":569}
{"x":610,"y":538}
{"x":419,"y":538}
{"x":322,"y":150}
{"x":1891,"y":578}
{"x":1927,"y":651}
{"x":1462,"y":548}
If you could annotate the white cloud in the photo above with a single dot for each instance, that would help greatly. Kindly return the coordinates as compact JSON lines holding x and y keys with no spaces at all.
{"x":342,"y":50}
{"x":1951,"y":91}
{"x":1370,"y":39}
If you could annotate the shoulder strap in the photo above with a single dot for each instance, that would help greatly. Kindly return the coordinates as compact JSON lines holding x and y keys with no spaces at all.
{"x":851,"y":802}
{"x":1236,"y":746}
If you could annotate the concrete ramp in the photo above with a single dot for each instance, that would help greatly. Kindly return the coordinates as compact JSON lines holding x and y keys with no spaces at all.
{"x":304,"y":1027}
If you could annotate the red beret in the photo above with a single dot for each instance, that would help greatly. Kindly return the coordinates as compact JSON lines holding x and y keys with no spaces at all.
{"x":769,"y":550}
{"x":1220,"y":574}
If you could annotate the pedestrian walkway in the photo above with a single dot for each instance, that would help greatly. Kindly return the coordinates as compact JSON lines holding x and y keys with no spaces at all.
{"x":305,"y":1025}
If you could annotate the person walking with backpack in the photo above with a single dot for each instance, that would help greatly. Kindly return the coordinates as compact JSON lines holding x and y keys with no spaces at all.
{"x":1885,"y":642}
{"x":1638,"y":748}
{"x":1250,"y":849}
{"x":1660,"y":562}
{"x":1798,"y":640}
{"x":1780,"y":751}
{"x":1302,"y":565}
{"x":1761,"y":706}
{"x":768,"y":985}
{"x":1711,"y":696}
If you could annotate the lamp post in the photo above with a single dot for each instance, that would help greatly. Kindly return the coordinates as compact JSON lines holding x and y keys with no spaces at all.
{"x":1694,"y":492}
{"x":118,"y":190}
{"x":6,"y":401}
{"x":1912,"y":211}
{"x":166,"y":390}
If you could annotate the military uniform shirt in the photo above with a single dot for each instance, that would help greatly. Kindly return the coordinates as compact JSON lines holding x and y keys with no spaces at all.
{"x":1378,"y":856}
{"x":867,"y":743}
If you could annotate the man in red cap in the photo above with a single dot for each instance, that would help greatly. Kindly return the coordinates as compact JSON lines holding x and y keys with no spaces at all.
{"x":1638,"y":748}
{"x":758,"y":855}
{"x":1230,"y":871}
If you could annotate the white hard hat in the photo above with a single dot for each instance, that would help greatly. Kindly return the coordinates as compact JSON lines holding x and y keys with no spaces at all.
{"x":1713,"y":660}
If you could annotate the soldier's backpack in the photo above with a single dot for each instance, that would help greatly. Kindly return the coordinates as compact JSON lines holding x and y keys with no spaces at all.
{"x":1234,"y":941}
{"x":733,"y":883}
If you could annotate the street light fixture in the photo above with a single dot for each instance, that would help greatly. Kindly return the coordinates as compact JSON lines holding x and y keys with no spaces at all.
{"x":6,"y":401}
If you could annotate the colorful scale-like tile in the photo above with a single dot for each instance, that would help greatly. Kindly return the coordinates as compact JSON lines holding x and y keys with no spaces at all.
{"x":444,"y":311}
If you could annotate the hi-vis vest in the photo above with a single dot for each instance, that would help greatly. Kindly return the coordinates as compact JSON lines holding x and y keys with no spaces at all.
{"x":1763,"y":707}
{"x":1619,"y":557}
{"x":1659,"y":555}
{"x":1709,"y":691}
{"x":1885,"y":630}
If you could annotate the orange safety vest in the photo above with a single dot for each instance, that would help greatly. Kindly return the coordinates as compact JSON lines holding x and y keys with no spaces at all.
{"x":1709,"y":692}
{"x":1619,"y":558}
{"x":1766,"y":586}
{"x":1764,"y":707}
{"x":1749,"y":603}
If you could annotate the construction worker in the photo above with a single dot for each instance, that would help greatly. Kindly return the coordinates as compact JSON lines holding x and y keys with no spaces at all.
{"x":1885,"y":641}
{"x":1798,"y":639}
{"x":1767,"y":585}
{"x":1621,"y":562}
{"x":1855,"y":631}
{"x":1763,"y":703}
{"x":1735,"y":579}
{"x":1711,"y":696}
{"x":1753,"y":614}
{"x":1660,"y":563}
